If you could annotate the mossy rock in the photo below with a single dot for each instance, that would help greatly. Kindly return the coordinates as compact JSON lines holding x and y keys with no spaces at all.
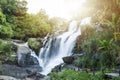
{"x":35,"y":44}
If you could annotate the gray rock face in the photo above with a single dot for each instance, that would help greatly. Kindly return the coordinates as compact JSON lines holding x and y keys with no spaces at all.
{"x":20,"y":72}
{"x":25,"y":59}
{"x":22,"y":52}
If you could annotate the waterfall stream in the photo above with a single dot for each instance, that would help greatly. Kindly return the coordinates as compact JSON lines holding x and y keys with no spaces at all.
{"x":58,"y":47}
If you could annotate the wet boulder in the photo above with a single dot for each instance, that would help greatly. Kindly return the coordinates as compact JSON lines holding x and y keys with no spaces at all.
{"x":22,"y":53}
{"x":27,"y":60}
{"x":24,"y":57}
{"x":68,"y":59}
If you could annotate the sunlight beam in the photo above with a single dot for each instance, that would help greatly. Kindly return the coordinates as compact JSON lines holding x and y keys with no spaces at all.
{"x":60,"y":8}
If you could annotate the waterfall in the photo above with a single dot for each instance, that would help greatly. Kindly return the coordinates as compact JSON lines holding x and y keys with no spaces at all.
{"x":57,"y":47}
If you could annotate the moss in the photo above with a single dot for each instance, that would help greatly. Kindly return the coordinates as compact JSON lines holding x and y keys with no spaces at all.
{"x":34,"y":44}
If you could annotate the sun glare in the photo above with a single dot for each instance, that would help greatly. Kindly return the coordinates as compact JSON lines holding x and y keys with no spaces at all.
{"x":60,"y":8}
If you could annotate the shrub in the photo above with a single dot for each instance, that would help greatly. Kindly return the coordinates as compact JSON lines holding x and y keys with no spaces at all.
{"x":69,"y":74}
{"x":5,"y":51}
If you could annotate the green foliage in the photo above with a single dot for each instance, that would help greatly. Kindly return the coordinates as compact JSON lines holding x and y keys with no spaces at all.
{"x":2,"y":17}
{"x":78,"y":62}
{"x":98,"y":76}
{"x":16,"y":23}
{"x":70,"y":75}
{"x":34,"y":44}
{"x":90,"y":58}
{"x":5,"y":28}
{"x":9,"y":9}
{"x":115,"y":22}
{"x":13,"y":8}
{"x":32,"y":26}
{"x":5,"y":47}
{"x":5,"y":51}
{"x":107,"y":53}
{"x":6,"y":31}
{"x":116,"y":78}
{"x":99,"y":48}
{"x":58,"y":24}
{"x":98,"y":54}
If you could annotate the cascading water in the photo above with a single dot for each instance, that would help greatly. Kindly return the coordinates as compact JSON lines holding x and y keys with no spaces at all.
{"x":58,"y":47}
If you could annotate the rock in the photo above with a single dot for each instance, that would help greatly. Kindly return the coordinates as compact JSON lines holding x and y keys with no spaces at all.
{"x":71,"y":59}
{"x":35,"y":44}
{"x":17,"y":41}
{"x":33,"y":69}
{"x":68,"y":59}
{"x":19,"y":72}
{"x":28,"y":61}
{"x":40,"y":75}
{"x":57,"y":68}
{"x":21,"y":55}
{"x":3,"y":77}
{"x":25,"y":59}
{"x":36,"y":76}
{"x":12,"y":70}
{"x":31,"y":60}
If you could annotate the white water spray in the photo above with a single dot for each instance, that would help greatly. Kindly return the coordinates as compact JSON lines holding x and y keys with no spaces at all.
{"x":58,"y":47}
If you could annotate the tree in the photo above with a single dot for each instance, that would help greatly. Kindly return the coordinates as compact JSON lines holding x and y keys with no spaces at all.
{"x":9,"y":10}
{"x":32,"y":26}
{"x":58,"y":24}
{"x":5,"y":28}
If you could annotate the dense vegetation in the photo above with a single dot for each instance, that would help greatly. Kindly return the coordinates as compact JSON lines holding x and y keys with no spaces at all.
{"x":100,"y":41}
{"x":16,"y":23}
{"x":69,"y":74}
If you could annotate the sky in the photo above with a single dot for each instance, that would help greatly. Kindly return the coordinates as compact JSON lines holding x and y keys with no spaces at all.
{"x":60,"y":8}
